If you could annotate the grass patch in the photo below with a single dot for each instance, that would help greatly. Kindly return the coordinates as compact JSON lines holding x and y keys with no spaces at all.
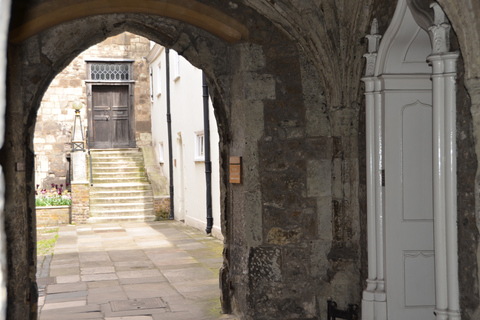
{"x":45,"y":246}
{"x":51,"y":230}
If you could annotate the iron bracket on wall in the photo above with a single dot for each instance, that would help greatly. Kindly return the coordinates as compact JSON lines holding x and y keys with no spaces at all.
{"x":350,"y":314}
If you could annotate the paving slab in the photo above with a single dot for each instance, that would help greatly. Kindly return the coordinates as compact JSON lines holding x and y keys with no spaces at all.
{"x":66,"y":296}
{"x":93,"y":270}
{"x":102,"y":284}
{"x":105,"y":295}
{"x":99,"y":277}
{"x":142,"y":280}
{"x":70,"y":287}
{"x":54,"y":272}
{"x":115,"y":271}
{"x":67,"y":279}
{"x":140,"y":273}
{"x":65,"y":265}
{"x":150,"y":290}
{"x":91,"y":264}
{"x":64,"y":304}
{"x":130,"y":318}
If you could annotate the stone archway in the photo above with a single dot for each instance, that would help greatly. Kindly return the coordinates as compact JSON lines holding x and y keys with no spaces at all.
{"x":290,"y":105}
{"x":246,"y":82}
{"x":27,"y":294}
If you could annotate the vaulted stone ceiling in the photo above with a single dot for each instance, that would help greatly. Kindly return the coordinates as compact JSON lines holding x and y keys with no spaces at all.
{"x":329,"y":31}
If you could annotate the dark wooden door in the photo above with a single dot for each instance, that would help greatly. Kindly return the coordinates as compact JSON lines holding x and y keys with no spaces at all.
{"x":110,"y":117}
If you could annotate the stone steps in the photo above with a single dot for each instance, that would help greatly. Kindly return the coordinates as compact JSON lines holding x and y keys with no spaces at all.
{"x":120,"y":169}
{"x":120,"y":200}
{"x":120,"y":187}
{"x":119,"y":178}
{"x":121,"y":190}
{"x":122,"y":209}
{"x":134,"y":218}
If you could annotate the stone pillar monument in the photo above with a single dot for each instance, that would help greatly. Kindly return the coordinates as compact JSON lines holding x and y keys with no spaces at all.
{"x":80,"y":185}
{"x":80,"y":188}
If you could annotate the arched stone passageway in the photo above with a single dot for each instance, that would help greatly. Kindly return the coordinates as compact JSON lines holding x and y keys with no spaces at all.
{"x":90,"y":32}
{"x":249,"y":83}
{"x":288,"y":100}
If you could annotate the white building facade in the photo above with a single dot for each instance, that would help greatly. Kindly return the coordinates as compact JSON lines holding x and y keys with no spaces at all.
{"x":188,"y":141}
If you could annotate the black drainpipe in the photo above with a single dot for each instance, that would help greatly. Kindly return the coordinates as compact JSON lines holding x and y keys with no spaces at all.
{"x":169,"y":125}
{"x":208,"y":162}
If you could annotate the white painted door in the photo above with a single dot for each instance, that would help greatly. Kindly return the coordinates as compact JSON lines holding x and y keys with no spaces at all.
{"x":409,"y":273}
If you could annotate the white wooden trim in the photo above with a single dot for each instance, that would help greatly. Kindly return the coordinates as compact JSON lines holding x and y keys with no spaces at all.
{"x":445,"y":182}
{"x":368,"y":299}
{"x":444,"y":167}
{"x":451,"y":189}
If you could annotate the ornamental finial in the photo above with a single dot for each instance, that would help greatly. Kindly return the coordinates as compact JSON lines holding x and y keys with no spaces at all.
{"x":373,"y":44}
{"x":439,"y":31}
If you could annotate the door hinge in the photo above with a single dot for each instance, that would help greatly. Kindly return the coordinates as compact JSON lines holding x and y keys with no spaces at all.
{"x":383,"y":177}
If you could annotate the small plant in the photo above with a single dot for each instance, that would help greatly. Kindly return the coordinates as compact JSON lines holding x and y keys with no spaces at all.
{"x":46,"y":245}
{"x":56,"y":196}
{"x":162,"y":214}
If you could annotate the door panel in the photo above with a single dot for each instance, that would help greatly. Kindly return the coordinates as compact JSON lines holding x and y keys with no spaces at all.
{"x":111,"y":119}
{"x":410,"y":272}
{"x":101,"y":126}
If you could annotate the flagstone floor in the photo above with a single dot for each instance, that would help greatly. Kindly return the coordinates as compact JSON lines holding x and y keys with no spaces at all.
{"x":131,"y":271}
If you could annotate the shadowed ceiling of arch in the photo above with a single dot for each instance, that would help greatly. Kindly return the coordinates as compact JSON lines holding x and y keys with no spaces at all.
{"x":40,"y":17}
{"x":330,"y":32}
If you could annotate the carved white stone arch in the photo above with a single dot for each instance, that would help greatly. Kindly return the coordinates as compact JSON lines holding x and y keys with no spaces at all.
{"x":404,"y":46}
{"x":411,"y":61}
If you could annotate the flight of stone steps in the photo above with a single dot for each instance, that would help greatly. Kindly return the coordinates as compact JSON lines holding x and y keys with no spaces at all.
{"x":121,"y":190}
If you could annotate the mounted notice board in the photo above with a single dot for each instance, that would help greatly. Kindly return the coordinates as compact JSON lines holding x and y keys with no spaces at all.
{"x":235,"y":169}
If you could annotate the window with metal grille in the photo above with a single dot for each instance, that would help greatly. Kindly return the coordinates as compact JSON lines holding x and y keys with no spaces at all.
{"x":107,"y":71}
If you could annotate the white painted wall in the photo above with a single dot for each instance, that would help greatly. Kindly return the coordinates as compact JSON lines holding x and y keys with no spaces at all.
{"x":187,"y":120}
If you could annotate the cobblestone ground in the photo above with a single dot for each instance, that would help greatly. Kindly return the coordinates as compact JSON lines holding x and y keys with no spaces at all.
{"x":131,"y":271}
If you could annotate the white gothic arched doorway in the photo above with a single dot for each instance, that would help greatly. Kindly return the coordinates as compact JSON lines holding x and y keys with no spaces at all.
{"x":411,"y":169}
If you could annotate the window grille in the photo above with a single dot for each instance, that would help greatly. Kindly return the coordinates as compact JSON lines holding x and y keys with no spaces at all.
{"x":110,"y":71}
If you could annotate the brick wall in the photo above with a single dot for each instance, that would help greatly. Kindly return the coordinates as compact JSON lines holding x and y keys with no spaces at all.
{"x":52,"y":216}
{"x":161,"y":206}
{"x":80,"y":203}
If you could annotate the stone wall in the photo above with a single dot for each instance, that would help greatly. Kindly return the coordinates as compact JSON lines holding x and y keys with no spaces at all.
{"x":53,"y":216}
{"x":161,"y":205}
{"x":288,"y":98}
{"x":54,"y":125}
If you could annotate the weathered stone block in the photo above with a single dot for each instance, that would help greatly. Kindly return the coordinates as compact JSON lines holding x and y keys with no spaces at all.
{"x":265,"y":265}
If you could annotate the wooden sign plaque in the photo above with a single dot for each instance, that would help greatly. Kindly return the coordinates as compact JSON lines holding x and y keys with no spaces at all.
{"x":235,"y":169}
